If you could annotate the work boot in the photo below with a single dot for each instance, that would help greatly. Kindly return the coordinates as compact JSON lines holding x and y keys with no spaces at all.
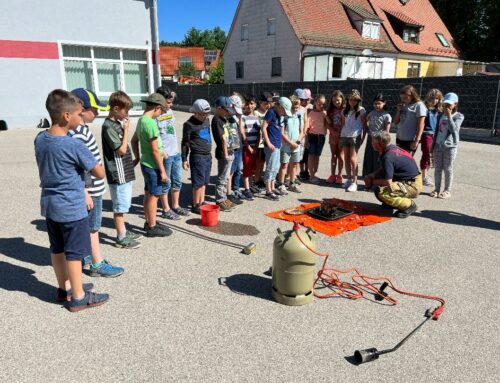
{"x":407,"y":212}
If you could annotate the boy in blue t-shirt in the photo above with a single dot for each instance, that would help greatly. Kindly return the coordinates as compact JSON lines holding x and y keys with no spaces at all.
{"x":62,"y":162}
{"x":271,"y":131}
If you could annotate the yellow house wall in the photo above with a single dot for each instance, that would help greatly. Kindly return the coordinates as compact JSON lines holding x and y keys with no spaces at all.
{"x":426,"y":68}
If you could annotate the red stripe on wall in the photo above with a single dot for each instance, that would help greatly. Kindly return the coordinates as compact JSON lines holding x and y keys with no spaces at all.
{"x":28,"y":49}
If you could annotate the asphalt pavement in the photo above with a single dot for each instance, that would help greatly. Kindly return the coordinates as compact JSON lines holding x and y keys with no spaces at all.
{"x":193,"y":308}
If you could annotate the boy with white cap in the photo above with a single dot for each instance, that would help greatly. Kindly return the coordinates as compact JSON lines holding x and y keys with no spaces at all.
{"x":271,"y":131}
{"x":197,"y":144}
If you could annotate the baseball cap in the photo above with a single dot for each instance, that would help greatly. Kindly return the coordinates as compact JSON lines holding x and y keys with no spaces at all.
{"x":300,"y":93}
{"x":450,"y":98}
{"x":224,"y":102}
{"x":155,"y":98}
{"x":266,"y":97}
{"x":236,"y":101}
{"x":286,"y":104}
{"x":89,"y":99}
{"x":307,"y":94}
{"x":200,"y":106}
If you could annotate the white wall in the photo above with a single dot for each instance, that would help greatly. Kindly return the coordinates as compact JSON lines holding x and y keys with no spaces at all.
{"x":258,"y":50}
{"x":25,"y":83}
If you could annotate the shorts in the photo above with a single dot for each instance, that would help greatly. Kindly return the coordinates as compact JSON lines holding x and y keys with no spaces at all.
{"x":293,"y":157}
{"x":249,"y":161}
{"x":95,"y":215}
{"x":316,"y":143}
{"x":121,"y":195}
{"x":173,"y":168}
{"x":350,"y":142}
{"x":70,"y":238}
{"x":152,"y":182}
{"x":200,"y":166}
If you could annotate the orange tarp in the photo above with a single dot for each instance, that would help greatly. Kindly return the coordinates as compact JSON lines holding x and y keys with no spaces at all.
{"x":360,"y":217}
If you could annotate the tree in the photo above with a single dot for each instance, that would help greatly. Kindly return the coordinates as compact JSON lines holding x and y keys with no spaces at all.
{"x":216,"y":74}
{"x":169,"y":44}
{"x":187,"y":69}
{"x":208,"y":38}
{"x":475,"y":26}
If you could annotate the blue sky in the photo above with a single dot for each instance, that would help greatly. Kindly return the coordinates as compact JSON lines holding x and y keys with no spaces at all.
{"x":176,"y":17}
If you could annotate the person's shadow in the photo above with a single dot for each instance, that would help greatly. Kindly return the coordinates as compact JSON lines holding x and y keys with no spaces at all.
{"x":454,"y":218}
{"x":17,"y":278}
{"x":21,"y":250}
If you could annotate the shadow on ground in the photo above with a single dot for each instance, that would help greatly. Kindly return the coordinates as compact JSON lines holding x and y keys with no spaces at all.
{"x":248,"y":284}
{"x":17,"y":278}
{"x":454,"y":218}
{"x":21,"y":250}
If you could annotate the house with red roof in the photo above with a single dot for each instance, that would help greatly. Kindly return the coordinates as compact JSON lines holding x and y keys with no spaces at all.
{"x":171,"y":58}
{"x":321,"y":40}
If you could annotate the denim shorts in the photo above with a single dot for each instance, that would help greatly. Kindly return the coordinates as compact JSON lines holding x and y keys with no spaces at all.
{"x":70,"y":238}
{"x":200,"y":166}
{"x":95,"y":215}
{"x":173,"y":167}
{"x":121,"y":195}
{"x":152,"y":181}
{"x":350,"y":142}
{"x":316,"y":143}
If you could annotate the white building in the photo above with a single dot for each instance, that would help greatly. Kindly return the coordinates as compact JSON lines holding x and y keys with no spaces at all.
{"x":308,"y":40}
{"x":102,"y":45}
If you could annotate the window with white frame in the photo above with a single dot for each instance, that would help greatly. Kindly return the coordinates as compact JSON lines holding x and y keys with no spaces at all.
{"x":443,"y":40}
{"x":271,"y":27}
{"x":185,"y":60}
{"x":371,"y":30}
{"x":244,"y":32}
{"x":106,"y":70}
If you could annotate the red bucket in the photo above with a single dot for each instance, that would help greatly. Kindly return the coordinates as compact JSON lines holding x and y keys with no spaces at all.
{"x":209,"y":215}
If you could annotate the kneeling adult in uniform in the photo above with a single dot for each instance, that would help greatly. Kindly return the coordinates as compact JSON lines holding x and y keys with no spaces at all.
{"x":398,"y":181}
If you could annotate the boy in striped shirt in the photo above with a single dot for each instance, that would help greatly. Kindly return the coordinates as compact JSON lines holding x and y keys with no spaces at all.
{"x":251,"y":141}
{"x":94,"y":187}
{"x":119,"y":165}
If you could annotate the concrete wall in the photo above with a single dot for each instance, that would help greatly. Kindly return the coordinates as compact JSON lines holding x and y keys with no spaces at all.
{"x":25,"y":82}
{"x":258,"y":50}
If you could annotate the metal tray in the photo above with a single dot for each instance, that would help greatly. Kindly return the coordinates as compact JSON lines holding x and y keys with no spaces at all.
{"x":339,"y":213}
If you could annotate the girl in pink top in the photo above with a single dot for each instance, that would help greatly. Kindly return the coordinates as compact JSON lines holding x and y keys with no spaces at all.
{"x":316,"y":135}
{"x":336,"y":120}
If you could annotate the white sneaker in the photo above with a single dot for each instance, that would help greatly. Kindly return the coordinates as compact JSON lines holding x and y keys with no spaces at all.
{"x":347,"y":184}
{"x":352,"y":187}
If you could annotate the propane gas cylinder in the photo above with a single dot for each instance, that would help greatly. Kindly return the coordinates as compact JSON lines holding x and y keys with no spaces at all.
{"x":293,"y":267}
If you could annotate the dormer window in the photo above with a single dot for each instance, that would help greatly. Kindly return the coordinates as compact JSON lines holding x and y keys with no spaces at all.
{"x":371,"y":30}
{"x":366,"y":23}
{"x":443,"y":40}
{"x":411,"y":35}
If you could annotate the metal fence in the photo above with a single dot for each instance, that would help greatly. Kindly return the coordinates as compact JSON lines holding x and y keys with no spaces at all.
{"x":479,"y":95}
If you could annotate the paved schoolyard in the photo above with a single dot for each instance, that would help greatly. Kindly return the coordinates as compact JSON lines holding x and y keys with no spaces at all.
{"x":192,"y":308}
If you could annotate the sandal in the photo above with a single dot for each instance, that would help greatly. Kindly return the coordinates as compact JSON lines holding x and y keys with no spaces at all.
{"x":444,"y":195}
{"x":434,"y":194}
